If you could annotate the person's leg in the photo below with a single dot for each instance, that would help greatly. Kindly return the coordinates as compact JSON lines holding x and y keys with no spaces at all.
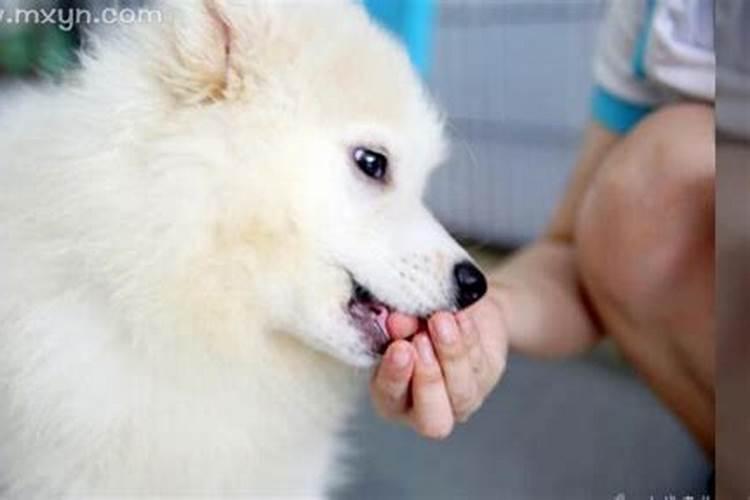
{"x":645,"y":249}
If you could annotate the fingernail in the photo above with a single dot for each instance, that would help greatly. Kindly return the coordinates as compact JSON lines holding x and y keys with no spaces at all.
{"x":446,"y":330}
{"x":424,"y":347}
{"x":400,"y":357}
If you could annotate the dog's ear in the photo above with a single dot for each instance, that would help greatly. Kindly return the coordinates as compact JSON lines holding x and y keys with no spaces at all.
{"x":201,"y":66}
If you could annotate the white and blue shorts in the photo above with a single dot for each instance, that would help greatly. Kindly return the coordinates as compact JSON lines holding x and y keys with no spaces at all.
{"x":652,"y":53}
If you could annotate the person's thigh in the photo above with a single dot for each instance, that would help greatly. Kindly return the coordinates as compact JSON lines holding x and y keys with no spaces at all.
{"x":645,"y":249}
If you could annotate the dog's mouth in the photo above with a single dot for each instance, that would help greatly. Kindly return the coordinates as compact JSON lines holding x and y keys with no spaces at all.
{"x":369,"y":316}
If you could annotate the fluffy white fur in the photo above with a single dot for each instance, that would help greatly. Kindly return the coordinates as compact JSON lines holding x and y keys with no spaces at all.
{"x":178,"y":226}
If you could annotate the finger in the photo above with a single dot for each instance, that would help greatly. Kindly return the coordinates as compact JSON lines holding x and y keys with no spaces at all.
{"x":493,"y":337}
{"x":460,"y":379}
{"x":390,"y":384}
{"x":491,"y":326}
{"x":470,"y":337}
{"x":401,"y":326}
{"x":432,"y":415}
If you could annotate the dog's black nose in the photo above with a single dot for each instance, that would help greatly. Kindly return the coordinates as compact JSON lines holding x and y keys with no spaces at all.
{"x":470,"y":284}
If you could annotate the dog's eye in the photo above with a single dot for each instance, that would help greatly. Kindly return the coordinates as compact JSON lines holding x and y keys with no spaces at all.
{"x":371,"y":163}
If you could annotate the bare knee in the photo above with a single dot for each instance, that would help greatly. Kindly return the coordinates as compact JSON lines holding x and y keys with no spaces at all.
{"x":645,"y":227}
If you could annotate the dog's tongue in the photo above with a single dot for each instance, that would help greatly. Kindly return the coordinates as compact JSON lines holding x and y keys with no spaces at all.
{"x":372,"y":316}
{"x":377,"y":314}
{"x":381,"y":318}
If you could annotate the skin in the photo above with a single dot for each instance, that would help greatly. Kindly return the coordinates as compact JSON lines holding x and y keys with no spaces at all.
{"x":647,"y":286}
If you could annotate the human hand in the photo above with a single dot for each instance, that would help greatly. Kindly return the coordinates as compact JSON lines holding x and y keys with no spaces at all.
{"x":431,"y":378}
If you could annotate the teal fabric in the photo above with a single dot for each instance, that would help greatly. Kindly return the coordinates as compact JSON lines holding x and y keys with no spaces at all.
{"x":412,"y":21}
{"x":639,"y":55}
{"x":616,"y":114}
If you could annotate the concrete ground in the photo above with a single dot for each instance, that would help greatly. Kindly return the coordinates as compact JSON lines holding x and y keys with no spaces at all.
{"x":575,"y":430}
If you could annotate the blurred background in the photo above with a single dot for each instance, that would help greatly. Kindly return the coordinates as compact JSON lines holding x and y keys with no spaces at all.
{"x":514,"y":79}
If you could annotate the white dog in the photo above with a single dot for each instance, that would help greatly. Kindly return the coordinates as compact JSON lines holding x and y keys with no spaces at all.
{"x":201,"y":235}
